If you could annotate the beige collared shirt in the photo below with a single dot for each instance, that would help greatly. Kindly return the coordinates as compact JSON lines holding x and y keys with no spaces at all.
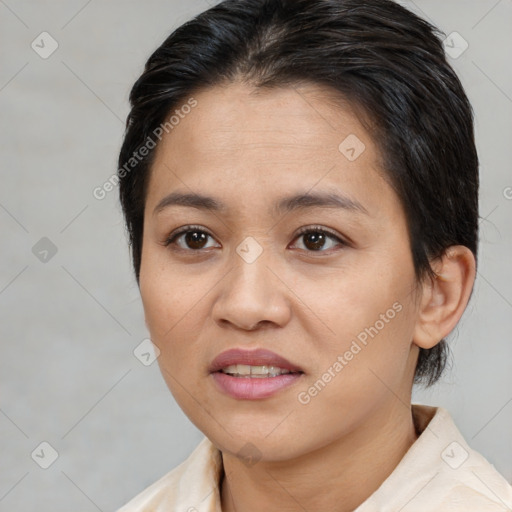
{"x":439,"y":473}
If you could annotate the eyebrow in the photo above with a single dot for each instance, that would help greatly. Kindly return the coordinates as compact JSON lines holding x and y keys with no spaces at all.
{"x":299,"y":202}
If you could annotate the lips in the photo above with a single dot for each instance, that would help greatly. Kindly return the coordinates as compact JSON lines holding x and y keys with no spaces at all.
{"x":257,"y":357}
{"x":253,"y":387}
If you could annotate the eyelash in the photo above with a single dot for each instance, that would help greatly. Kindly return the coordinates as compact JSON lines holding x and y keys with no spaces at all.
{"x":303,"y":231}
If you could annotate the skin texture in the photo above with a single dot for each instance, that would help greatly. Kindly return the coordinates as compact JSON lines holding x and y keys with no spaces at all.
{"x":249,"y":148}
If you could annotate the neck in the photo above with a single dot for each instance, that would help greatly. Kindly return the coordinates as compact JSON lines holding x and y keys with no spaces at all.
{"x":339,"y":476}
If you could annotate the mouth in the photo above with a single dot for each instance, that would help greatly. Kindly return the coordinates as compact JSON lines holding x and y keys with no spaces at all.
{"x":256,"y":363}
{"x":255,"y":374}
{"x":246,"y":371}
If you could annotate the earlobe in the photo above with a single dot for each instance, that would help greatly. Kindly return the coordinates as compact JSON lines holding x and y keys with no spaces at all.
{"x":444,"y":298}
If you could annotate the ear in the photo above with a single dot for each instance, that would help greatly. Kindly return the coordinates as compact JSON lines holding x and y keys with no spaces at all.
{"x":444,"y":298}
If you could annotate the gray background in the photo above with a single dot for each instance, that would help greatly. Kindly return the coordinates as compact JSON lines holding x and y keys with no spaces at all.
{"x":69,"y":325}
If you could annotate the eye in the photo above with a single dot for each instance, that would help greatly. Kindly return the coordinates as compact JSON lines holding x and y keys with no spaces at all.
{"x":194,"y":238}
{"x":189,"y":237}
{"x":316,"y":239}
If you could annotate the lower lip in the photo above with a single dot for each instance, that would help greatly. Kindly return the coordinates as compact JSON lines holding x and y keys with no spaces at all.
{"x":253,"y":388}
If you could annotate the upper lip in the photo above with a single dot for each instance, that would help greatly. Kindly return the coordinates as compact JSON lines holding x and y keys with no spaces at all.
{"x":257,"y":357}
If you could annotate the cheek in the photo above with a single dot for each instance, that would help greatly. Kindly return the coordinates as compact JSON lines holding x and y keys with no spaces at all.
{"x":173,"y":308}
{"x":362,"y":314}
{"x":162,"y":306}
{"x":174,"y":302}
{"x":350,"y":300}
{"x":166,"y":312}
{"x":360,"y":365}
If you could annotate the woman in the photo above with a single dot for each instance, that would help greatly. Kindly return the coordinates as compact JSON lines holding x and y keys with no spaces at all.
{"x":300,"y":185}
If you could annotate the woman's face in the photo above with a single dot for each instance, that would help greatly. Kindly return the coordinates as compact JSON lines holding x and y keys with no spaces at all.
{"x":339,"y":303}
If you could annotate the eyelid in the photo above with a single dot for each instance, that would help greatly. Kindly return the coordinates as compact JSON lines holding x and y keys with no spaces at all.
{"x":182,"y":230}
{"x":316,"y":228}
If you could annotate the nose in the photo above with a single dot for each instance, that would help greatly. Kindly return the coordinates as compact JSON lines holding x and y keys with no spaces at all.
{"x":252,"y":295}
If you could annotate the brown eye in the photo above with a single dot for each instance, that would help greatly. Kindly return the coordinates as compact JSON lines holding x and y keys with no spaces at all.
{"x":319,"y":240}
{"x":314,"y":240}
{"x":195,"y":239}
{"x":189,"y":238}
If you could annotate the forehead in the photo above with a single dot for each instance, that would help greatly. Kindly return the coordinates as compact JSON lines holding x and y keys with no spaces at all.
{"x":240,"y":141}
{"x":240,"y":117}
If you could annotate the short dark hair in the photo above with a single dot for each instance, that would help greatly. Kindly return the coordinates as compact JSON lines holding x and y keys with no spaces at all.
{"x":376,"y":54}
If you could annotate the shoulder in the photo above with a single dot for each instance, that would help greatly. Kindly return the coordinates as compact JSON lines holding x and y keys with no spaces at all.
{"x":441,"y":473}
{"x":474,"y":485}
{"x":466,"y":479}
{"x":184,"y":487}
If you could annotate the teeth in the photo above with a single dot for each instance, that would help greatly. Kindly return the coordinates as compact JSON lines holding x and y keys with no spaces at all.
{"x":245,"y":370}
